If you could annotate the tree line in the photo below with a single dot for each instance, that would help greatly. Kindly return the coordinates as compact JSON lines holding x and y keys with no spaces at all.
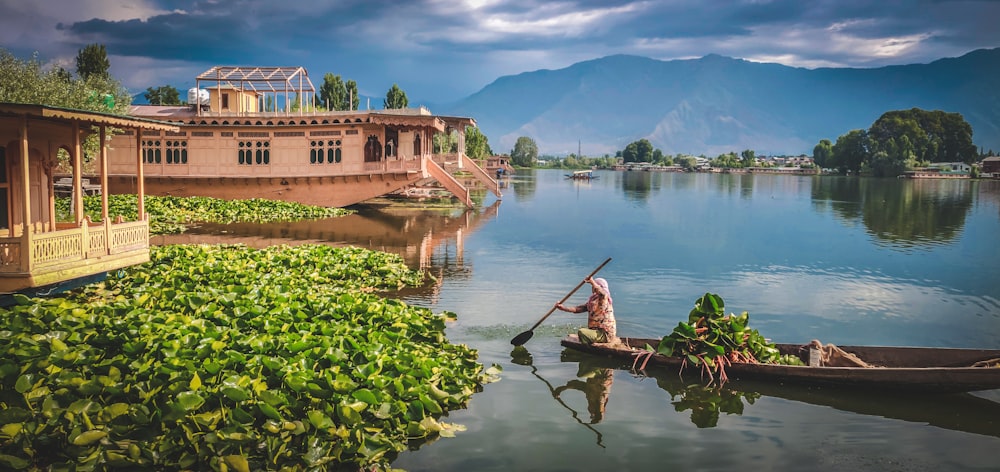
{"x":899,"y":140}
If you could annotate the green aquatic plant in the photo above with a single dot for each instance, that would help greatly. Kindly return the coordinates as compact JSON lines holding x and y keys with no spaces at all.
{"x":710,"y":339}
{"x":229,"y":358}
{"x":169,"y":214}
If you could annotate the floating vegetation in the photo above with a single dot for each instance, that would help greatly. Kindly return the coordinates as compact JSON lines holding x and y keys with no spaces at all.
{"x":711,"y":339}
{"x":229,"y":358}
{"x":168,"y":215}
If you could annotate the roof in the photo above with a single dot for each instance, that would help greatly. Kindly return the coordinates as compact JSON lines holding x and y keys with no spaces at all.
{"x":259,"y":79}
{"x":84,"y":116}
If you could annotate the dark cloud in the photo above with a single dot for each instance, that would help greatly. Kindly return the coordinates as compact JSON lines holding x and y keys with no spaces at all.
{"x":445,"y":50}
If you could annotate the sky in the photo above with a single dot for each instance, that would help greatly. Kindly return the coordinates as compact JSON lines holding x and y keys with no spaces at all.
{"x":439,"y":51}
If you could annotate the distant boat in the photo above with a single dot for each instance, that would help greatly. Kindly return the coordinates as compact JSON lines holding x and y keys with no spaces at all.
{"x":582,"y":175}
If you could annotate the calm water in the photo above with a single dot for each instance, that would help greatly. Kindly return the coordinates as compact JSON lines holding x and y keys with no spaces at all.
{"x":843,"y":260}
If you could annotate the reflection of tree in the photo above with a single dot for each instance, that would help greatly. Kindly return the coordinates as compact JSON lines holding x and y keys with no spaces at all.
{"x":903,"y":212}
{"x":637,"y":185}
{"x":523,"y":184}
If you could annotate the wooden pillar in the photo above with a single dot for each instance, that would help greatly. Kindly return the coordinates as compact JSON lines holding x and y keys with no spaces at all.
{"x":105,"y":215}
{"x":77,"y":195}
{"x":26,"y":246}
{"x":140,"y":179}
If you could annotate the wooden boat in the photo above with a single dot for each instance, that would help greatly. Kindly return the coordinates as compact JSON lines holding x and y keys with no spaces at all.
{"x":582,"y":175}
{"x":941,"y":370}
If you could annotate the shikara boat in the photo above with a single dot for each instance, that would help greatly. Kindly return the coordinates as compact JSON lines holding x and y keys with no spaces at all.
{"x":940,"y":370}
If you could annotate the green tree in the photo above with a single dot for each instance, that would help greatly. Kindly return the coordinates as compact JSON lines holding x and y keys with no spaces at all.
{"x":92,"y":60}
{"x":525,"y":152}
{"x":823,"y":153}
{"x":638,"y":151}
{"x":351,"y":100}
{"x":748,"y":158}
{"x":332,"y":93}
{"x":165,"y":95}
{"x":445,"y":143}
{"x":851,"y":151}
{"x":395,"y":98}
{"x":476,"y":143}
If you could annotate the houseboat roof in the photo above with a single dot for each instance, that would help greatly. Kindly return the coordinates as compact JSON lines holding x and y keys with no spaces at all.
{"x":83,"y":116}
{"x":259,"y":78}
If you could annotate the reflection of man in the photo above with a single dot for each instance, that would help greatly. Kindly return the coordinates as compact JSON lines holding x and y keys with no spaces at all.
{"x":596,"y":387}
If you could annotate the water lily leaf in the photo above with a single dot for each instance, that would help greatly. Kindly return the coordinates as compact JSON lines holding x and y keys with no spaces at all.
{"x":237,"y":463}
{"x":365,"y":395}
{"x":270,"y":411}
{"x":87,"y":438}
{"x":14,"y":462}
{"x":195,"y":383}
{"x":190,"y":401}
{"x":235,"y":394}
{"x":319,"y":419}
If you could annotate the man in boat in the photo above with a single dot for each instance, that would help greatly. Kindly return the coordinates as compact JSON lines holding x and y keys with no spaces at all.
{"x":601,"y":326}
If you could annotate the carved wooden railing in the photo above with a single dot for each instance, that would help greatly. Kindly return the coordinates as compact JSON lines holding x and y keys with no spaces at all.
{"x":10,"y":254}
{"x":73,"y":245}
{"x":129,"y":236}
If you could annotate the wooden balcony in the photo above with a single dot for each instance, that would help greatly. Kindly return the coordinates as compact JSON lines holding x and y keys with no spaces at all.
{"x":41,"y":257}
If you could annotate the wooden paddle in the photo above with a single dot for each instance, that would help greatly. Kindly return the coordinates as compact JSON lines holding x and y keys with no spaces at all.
{"x":525,"y":336}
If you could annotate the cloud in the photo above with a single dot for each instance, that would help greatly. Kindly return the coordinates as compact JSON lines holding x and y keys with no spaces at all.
{"x":449,"y":49}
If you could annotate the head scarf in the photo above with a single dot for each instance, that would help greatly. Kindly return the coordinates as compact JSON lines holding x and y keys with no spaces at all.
{"x":602,"y":290}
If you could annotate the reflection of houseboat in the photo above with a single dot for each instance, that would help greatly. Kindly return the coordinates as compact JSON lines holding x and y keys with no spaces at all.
{"x":37,"y":253}
{"x":253,"y":132}
{"x":581,"y":175}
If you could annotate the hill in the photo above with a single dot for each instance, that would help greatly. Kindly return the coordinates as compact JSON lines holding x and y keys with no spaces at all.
{"x":718,"y":104}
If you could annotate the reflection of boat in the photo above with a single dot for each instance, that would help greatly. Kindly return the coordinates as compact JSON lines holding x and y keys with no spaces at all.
{"x":582,"y":175}
{"x":901,"y":368}
{"x":954,"y":411}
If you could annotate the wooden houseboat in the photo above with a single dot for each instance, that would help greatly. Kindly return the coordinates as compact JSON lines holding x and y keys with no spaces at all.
{"x":39,"y":254}
{"x":254,"y":132}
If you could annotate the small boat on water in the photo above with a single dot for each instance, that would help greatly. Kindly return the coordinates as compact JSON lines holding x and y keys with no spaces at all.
{"x":582,"y":175}
{"x":941,"y":370}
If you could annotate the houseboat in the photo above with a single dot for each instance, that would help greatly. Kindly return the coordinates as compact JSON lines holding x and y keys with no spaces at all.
{"x":255,"y":132}
{"x":39,"y":254}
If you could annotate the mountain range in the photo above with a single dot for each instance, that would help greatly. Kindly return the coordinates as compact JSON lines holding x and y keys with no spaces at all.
{"x":718,"y":104}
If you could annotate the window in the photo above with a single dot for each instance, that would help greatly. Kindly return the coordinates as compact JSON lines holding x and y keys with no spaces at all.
{"x":177,"y":152}
{"x":225,"y":101}
{"x":254,"y":152}
{"x":4,"y":191}
{"x":324,"y":151}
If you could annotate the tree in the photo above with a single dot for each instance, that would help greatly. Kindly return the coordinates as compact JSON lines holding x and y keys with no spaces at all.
{"x":525,"y":152}
{"x":165,"y":95}
{"x":638,"y":151}
{"x":332,"y":93}
{"x":351,"y":100}
{"x":851,"y":150}
{"x":395,"y":98}
{"x":476,"y":144}
{"x":823,"y":153}
{"x":748,"y":157}
{"x":445,"y":142}
{"x":92,"y":60}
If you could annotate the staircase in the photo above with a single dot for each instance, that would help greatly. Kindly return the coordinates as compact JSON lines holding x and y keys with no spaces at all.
{"x":448,"y":182}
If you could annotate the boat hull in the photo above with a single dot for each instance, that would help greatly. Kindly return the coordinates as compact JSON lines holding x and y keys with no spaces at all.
{"x":940,"y":370}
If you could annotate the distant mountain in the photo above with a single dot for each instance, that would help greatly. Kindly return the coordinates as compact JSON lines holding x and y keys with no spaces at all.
{"x":719,"y":104}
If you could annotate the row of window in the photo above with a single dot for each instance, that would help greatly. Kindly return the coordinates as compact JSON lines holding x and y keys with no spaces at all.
{"x":331,"y":152}
{"x":260,"y":156}
{"x":176,"y":152}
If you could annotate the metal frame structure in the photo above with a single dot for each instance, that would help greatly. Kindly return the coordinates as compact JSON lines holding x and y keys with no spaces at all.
{"x":260,"y":80}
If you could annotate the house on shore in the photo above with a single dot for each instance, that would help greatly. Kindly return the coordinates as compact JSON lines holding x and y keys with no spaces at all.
{"x":39,"y":253}
{"x":256,"y":132}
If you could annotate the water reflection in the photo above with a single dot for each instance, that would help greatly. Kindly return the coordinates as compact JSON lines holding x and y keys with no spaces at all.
{"x":523,"y":184}
{"x":596,"y":391}
{"x":430,"y":240}
{"x":958,"y":412}
{"x":901,"y":213}
{"x":638,"y":185}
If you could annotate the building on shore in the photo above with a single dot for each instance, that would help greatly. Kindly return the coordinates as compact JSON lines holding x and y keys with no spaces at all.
{"x":256,"y":132}
{"x":38,"y":253}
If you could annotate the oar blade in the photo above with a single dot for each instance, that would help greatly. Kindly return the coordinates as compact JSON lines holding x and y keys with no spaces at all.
{"x":522,"y":338}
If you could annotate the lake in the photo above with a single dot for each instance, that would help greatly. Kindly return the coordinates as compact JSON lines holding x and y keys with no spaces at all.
{"x":842,"y":260}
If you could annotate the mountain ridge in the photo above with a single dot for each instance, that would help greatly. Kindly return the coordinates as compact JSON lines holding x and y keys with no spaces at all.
{"x":716,"y":104}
